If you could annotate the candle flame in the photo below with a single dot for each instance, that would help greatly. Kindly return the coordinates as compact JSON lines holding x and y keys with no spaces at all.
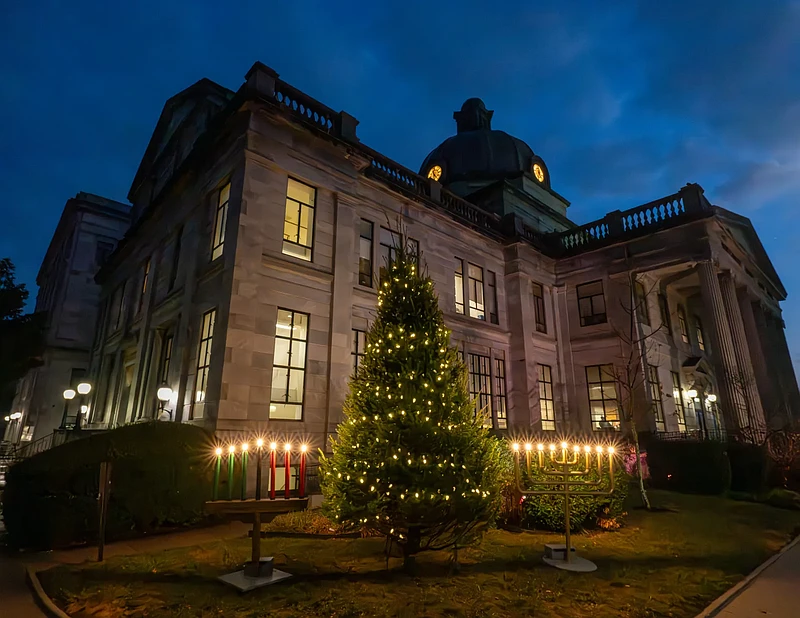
{"x":564,"y":445}
{"x":245,"y":446}
{"x":218,"y":451}
{"x":287,"y":447}
{"x":259,"y":443}
{"x":273,"y":445}
{"x":552,"y":447}
{"x":587,"y":449}
{"x":610,"y":450}
{"x":528,"y":446}
{"x":303,"y":448}
{"x":232,"y":448}
{"x":599,"y":449}
{"x":515,"y":446}
{"x":540,"y":447}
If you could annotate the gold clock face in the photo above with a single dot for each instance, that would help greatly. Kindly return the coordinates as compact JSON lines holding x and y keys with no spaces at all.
{"x":435,"y":173}
{"x":538,"y":172}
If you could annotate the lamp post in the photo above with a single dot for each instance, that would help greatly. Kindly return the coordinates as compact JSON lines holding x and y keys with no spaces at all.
{"x":69,"y":395}
{"x":84,"y":388}
{"x":164,"y":394}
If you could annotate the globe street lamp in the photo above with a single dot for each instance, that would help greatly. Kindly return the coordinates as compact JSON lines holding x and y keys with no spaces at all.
{"x":164,"y":394}
{"x":84,"y":388}
{"x":69,"y":395}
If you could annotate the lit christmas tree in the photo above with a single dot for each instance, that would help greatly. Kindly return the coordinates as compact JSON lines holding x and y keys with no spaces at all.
{"x":412,"y":460}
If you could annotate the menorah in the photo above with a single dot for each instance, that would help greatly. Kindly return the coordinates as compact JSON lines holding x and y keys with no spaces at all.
{"x":569,"y":469}
{"x":238,"y":460}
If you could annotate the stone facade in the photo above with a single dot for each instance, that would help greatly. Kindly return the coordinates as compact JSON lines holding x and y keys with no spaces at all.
{"x":197,"y":296}
{"x":87,"y":233}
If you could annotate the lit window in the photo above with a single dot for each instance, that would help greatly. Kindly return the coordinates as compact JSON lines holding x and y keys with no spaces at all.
{"x":663,"y":307}
{"x":435,"y":173}
{"x":389,"y":241}
{"x":358,"y":347}
{"x":289,"y":365}
{"x":655,"y":395}
{"x":500,"y":393}
{"x":475,"y":283}
{"x":145,"y":277}
{"x":491,"y":293}
{"x":591,"y":303}
{"x":682,"y":324}
{"x":680,"y":404}
{"x":459,"y":284}
{"x":166,"y":358}
{"x":538,"y":308}
{"x":298,"y":222}
{"x":698,"y":326}
{"x":640,"y":297}
{"x":480,"y":387}
{"x":204,"y":355}
{"x":220,"y":222}
{"x":365,"y":253}
{"x":546,"y":403}
{"x":603,"y":403}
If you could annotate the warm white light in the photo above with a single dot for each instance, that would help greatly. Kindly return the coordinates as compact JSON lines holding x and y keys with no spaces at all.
{"x":610,"y":450}
{"x":69,"y":394}
{"x":7,"y":418}
{"x":84,"y":388}
{"x":245,"y":446}
{"x":84,"y":409}
{"x":691,"y":393}
{"x":587,"y":449}
{"x":259,"y":443}
{"x":552,"y":447}
{"x":273,"y":445}
{"x":16,"y":415}
{"x":712,"y":398}
{"x":564,"y":445}
{"x":164,"y":393}
{"x":599,"y":449}
{"x":287,"y":447}
{"x":218,"y":451}
{"x":232,"y":448}
{"x":200,"y":396}
{"x":540,"y":447}
{"x":303,"y":448}
{"x":528,"y":446}
{"x":515,"y":446}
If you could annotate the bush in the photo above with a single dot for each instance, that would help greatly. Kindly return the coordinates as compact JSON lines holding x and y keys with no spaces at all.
{"x":748,"y":467}
{"x":161,"y":475}
{"x":689,"y":467}
{"x":547,"y":512}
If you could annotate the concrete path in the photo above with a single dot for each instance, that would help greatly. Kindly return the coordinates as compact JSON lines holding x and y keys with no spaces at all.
{"x":772,"y":590}
{"x":16,"y":599}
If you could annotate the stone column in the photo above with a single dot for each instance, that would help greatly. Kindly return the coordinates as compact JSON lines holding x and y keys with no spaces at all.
{"x":755,"y":344}
{"x":732,"y":398}
{"x":780,"y":362}
{"x":746,"y":378}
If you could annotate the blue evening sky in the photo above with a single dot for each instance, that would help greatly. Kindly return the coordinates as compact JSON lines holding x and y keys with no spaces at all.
{"x":625,"y":101}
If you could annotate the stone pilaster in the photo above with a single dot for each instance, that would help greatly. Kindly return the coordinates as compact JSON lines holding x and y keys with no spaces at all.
{"x":786,"y":382}
{"x":755,"y":344}
{"x":746,"y":378}
{"x":732,"y":399}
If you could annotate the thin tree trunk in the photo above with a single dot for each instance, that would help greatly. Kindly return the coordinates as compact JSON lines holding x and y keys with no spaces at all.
{"x":411,"y":548}
{"x":639,"y":473}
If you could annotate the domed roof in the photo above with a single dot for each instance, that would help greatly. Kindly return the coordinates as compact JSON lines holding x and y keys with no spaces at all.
{"x":477,"y":152}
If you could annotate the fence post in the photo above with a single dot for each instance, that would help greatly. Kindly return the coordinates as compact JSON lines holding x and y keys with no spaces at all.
{"x":102,"y":500}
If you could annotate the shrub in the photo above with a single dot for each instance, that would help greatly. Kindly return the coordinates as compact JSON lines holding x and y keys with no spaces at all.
{"x":748,"y":467}
{"x":547,"y":511}
{"x":161,"y":475}
{"x":689,"y":467}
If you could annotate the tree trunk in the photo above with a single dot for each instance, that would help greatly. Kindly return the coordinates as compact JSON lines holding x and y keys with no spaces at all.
{"x":411,"y":548}
{"x":637,"y":450}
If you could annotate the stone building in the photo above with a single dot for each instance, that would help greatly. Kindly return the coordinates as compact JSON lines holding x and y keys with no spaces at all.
{"x":259,"y":228}
{"x":87,"y":233}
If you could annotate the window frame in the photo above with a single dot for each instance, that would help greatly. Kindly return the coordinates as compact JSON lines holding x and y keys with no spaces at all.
{"x":366,"y":277}
{"x":683,"y":325}
{"x":490,"y":296}
{"x":203,"y":364}
{"x":479,"y":308}
{"x":289,"y":368}
{"x":539,"y":313}
{"x":176,"y":258}
{"x":143,"y":290}
{"x":220,"y":226}
{"x":699,"y":333}
{"x":546,"y":415}
{"x":640,"y":298}
{"x":594,"y":318}
{"x":312,"y":223}
{"x":612,"y":381}
{"x":477,"y":381}
{"x":654,"y":384}
{"x":357,"y":352}
{"x":500,"y":396}
{"x":391,"y":250}
{"x":663,"y":307}
{"x":458,"y":280}
{"x":680,"y":404}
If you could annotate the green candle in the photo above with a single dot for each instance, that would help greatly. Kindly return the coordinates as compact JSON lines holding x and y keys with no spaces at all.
{"x":244,"y":471}
{"x":231,"y":462}
{"x":215,"y":490}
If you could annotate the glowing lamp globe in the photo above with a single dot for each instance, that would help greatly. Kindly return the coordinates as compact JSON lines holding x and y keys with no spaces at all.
{"x":712,"y":398}
{"x":69,"y":394}
{"x":164,"y":393}
{"x":84,"y":388}
{"x":691,"y":393}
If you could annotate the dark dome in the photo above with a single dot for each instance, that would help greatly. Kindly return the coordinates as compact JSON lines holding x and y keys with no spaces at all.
{"x":477,"y":152}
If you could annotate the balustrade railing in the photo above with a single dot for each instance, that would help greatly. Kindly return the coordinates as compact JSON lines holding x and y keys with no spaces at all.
{"x":305,"y":107}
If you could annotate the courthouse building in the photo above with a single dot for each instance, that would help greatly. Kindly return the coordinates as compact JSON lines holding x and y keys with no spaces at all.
{"x":260,"y":227}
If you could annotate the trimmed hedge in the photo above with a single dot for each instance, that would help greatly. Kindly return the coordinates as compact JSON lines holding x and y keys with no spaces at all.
{"x":749,"y":467}
{"x":161,"y":475}
{"x":689,"y":467}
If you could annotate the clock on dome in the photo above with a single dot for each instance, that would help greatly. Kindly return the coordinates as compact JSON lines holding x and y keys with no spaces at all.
{"x":435,"y":173}
{"x":538,"y":172}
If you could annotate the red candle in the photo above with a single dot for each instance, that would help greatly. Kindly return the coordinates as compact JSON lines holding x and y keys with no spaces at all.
{"x":303,"y":450}
{"x":273,"y":462}
{"x":287,"y":469}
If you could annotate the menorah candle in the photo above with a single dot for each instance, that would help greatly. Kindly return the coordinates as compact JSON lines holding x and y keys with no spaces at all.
{"x":528,"y":454}
{"x":245,"y":448}
{"x":231,"y":462}
{"x":273,"y":463}
{"x":540,"y":452}
{"x":259,"y":453}
{"x":303,"y":450}
{"x":564,"y":446}
{"x":217,"y":467}
{"x":287,"y":469}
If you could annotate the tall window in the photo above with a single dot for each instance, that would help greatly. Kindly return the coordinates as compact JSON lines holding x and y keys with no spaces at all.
{"x":491,"y":293}
{"x":145,"y":277}
{"x":166,"y":358}
{"x":176,"y":258}
{"x":480,"y":386}
{"x":546,"y":403}
{"x":698,"y":326}
{"x":120,"y":308}
{"x":538,"y":308}
{"x":459,"y":283}
{"x":220,"y":222}
{"x":680,"y":404}
{"x":663,"y":307}
{"x":475,"y":283}
{"x":603,"y":403}
{"x":682,"y":324}
{"x":640,"y":297}
{"x":298,"y":222}
{"x":204,"y":354}
{"x":389,"y":241}
{"x":500,"y":393}
{"x":591,"y":303}
{"x":365,"y":253}
{"x":358,"y":346}
{"x":289,"y":365}
{"x":655,"y":395}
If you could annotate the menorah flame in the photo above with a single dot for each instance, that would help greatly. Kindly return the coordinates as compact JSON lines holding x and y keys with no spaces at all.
{"x":569,"y":467}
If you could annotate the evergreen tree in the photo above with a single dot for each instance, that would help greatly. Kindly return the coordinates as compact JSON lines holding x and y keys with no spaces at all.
{"x":412,"y":459}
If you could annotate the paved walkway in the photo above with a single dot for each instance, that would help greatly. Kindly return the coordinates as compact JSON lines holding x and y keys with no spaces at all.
{"x":17,"y":599}
{"x":774,"y":592}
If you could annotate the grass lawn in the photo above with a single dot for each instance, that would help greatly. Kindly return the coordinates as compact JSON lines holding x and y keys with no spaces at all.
{"x":659,"y":564}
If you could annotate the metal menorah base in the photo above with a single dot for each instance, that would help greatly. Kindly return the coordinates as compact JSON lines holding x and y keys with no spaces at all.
{"x":255,"y":576}
{"x":555,"y":555}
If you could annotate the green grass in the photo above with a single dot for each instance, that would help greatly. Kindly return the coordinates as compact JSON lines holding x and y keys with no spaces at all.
{"x":659,"y":564}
